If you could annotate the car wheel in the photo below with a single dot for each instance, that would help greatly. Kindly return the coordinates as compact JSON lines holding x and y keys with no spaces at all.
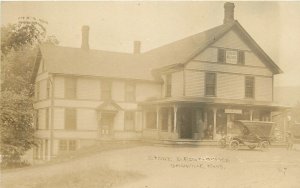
{"x":234,"y":145}
{"x":264,"y":145}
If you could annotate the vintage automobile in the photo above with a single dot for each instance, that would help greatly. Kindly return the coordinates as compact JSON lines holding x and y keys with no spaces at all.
{"x":254,"y":134}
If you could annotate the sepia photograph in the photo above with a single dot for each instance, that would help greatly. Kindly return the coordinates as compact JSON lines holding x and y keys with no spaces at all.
{"x":150,"y":94}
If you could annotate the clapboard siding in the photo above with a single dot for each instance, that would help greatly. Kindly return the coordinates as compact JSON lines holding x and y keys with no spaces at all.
{"x":59,"y":90}
{"x":231,"y":40}
{"x":43,"y":89}
{"x":211,"y":55}
{"x":146,"y":91}
{"x":229,"y":68}
{"x":194,"y":83}
{"x":263,"y":89}
{"x":88,"y":89}
{"x":86,"y":119}
{"x":252,"y":60}
{"x":118,"y":90}
{"x":42,"y":118}
{"x":177,"y":84}
{"x":230,"y":86}
{"x":59,"y":118}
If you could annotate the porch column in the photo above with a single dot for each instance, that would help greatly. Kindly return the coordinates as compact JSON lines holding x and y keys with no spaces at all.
{"x":157,"y":118}
{"x":215,"y":123}
{"x":251,"y":115}
{"x":175,"y":119}
{"x":169,"y":120}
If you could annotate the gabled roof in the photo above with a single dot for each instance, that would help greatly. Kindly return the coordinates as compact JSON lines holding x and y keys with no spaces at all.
{"x":109,"y":106}
{"x":77,"y":61}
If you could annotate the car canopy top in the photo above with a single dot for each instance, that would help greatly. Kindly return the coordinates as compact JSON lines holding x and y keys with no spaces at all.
{"x":259,"y":128}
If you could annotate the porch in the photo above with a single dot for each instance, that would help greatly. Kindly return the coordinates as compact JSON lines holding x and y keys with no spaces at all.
{"x":199,"y":121}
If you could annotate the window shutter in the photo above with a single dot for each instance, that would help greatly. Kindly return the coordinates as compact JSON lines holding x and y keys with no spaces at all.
{"x":221,"y":55}
{"x":241,"y":58}
{"x":168,"y":85}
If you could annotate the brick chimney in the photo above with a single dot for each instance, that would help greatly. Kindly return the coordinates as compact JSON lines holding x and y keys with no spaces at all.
{"x":85,"y":37}
{"x":228,"y":12}
{"x":137,"y":47}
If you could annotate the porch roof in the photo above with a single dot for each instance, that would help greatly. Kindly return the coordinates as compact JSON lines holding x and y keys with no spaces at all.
{"x":214,"y":102}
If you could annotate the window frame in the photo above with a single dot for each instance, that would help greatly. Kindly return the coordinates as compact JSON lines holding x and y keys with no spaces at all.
{"x":240,"y":56}
{"x":253,"y":87}
{"x":214,"y":84}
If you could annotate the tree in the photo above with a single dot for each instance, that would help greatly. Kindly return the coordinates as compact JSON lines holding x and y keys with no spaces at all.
{"x":19,"y":47}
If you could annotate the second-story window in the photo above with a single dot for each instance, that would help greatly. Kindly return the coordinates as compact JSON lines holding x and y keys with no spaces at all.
{"x":106,"y":90}
{"x":70,"y":119}
{"x":249,"y":87}
{"x":210,"y":84}
{"x":70,"y":88}
{"x":168,"y":85}
{"x":130,"y":92}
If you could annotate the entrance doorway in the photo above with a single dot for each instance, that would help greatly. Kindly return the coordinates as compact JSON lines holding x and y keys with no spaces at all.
{"x":185,"y":123}
{"x":106,"y":123}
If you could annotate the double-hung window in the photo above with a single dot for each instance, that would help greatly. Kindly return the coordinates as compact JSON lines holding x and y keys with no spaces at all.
{"x":249,"y":86}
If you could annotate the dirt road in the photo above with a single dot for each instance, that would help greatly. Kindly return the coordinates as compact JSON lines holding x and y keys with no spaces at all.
{"x":174,"y":167}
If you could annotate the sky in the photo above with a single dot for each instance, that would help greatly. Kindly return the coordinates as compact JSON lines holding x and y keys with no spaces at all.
{"x":275,"y":26}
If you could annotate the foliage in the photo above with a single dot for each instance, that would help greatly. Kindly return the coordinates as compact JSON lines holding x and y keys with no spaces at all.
{"x":17,"y":134}
{"x":19,"y":44}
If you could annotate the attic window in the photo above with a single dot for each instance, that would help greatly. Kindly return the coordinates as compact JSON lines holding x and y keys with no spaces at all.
{"x":231,"y":56}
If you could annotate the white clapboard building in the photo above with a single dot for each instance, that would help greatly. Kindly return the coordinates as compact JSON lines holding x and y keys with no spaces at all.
{"x":193,"y":88}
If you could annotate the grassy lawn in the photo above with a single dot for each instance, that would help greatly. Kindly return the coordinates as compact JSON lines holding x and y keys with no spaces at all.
{"x":79,"y":169}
